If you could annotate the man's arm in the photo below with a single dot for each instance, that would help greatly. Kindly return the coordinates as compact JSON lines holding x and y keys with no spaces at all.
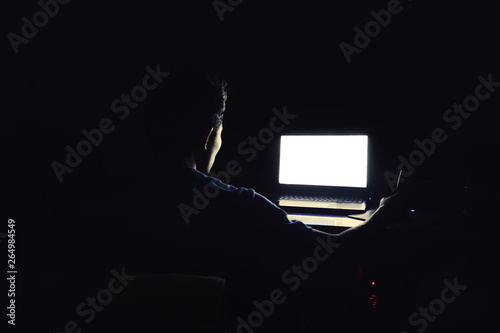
{"x":390,"y":211}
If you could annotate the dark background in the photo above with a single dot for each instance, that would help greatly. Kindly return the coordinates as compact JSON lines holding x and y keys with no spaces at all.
{"x":274,"y":54}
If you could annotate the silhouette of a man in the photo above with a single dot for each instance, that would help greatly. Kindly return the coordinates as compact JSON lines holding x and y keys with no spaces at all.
{"x":231,"y":232}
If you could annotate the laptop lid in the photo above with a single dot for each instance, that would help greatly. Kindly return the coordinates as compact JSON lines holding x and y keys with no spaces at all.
{"x":323,"y":162}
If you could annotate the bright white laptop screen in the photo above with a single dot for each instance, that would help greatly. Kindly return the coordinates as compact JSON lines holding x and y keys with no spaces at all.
{"x":324,"y":160}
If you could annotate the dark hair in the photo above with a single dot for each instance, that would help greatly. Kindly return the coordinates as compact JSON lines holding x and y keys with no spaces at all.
{"x":189,"y":101}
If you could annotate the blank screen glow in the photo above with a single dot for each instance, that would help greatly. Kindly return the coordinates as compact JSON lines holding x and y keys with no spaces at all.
{"x":325,"y":160}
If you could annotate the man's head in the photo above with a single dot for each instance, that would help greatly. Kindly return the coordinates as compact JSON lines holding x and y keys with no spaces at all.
{"x":185,"y":122}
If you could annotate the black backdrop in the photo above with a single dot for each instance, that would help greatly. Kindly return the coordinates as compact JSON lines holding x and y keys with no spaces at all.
{"x":274,"y":54}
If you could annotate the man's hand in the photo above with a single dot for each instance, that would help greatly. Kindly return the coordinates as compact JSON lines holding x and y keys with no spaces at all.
{"x":391,"y":211}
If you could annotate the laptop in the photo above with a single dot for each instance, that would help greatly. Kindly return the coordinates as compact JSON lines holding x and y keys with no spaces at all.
{"x":325,"y":172}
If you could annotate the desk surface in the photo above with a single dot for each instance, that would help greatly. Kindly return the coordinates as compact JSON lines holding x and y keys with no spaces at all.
{"x":326,"y":220}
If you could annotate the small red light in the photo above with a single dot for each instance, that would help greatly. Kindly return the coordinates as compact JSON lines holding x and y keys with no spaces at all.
{"x":373,"y":283}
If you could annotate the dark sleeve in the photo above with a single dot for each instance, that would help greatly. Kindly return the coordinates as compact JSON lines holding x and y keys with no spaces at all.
{"x":275,"y":240}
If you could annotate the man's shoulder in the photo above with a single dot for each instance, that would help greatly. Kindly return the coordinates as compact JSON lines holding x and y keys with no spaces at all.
{"x":213,"y":186}
{"x":205,"y":195}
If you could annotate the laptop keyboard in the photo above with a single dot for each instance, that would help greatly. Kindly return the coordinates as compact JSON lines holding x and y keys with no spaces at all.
{"x":321,"y":198}
{"x":330,"y":202}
